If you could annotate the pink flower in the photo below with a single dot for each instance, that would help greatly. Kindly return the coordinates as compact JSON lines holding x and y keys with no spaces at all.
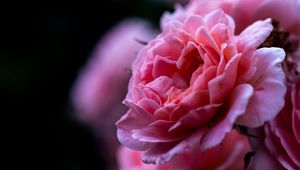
{"x":281,"y":144}
{"x":102,"y":84}
{"x":196,"y":80}
{"x":229,"y":156}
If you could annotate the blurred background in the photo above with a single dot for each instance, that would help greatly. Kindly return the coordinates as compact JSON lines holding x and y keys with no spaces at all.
{"x":43,"y":46}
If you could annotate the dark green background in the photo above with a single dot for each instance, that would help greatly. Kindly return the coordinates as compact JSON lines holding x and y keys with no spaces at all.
{"x":43,"y":46}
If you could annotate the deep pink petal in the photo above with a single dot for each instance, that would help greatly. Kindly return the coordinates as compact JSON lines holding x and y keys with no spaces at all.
{"x":221,"y":86}
{"x":296,"y":111}
{"x":272,"y":142}
{"x":163,"y":67}
{"x":290,"y":144}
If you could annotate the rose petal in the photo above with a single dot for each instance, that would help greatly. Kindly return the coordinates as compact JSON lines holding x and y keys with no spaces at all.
{"x":221,"y":86}
{"x":200,"y":116}
{"x":269,"y":79}
{"x":157,"y":132}
{"x":254,"y":35}
{"x":164,"y":152}
{"x":128,"y":122}
{"x":237,"y":106}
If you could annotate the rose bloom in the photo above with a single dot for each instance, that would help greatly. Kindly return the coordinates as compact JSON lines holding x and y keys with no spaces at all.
{"x":228,"y":156}
{"x":197,"y":79}
{"x":102,"y":83}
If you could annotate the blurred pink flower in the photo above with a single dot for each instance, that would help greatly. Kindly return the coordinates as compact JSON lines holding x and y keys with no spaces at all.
{"x":102,"y":84}
{"x":197,"y":79}
{"x":227,"y":156}
{"x":280,"y":146}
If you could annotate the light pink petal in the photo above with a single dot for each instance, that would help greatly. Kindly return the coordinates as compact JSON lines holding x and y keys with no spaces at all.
{"x":164,"y":152}
{"x":152,"y":95}
{"x":236,"y":106}
{"x":141,"y":113}
{"x":127,"y":140}
{"x":192,"y":23}
{"x":254,"y":35}
{"x":168,"y":46}
{"x":128,"y":122}
{"x":218,"y":16}
{"x":157,"y":132}
{"x":268,"y":83}
{"x":219,"y":34}
{"x":135,"y":94}
{"x":148,"y":105}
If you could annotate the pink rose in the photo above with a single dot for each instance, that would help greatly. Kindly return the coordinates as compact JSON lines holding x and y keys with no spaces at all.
{"x":228,"y":156}
{"x":102,"y":84}
{"x":196,"y":80}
